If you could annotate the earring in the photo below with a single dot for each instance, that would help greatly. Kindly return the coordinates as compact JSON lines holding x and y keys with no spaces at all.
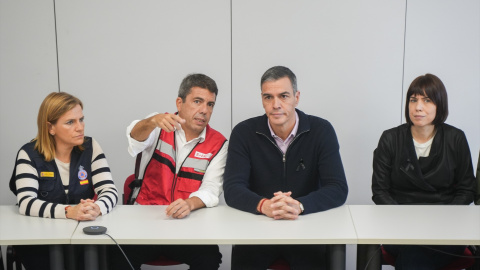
{"x":51,"y":133}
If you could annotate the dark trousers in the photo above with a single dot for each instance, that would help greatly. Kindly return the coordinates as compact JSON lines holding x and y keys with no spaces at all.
{"x":253,"y":257}
{"x":413,"y":257}
{"x":201,"y":257}
{"x":37,"y":257}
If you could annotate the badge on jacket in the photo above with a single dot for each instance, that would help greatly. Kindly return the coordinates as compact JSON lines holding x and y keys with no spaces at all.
{"x":82,"y":175}
{"x":47,"y":174}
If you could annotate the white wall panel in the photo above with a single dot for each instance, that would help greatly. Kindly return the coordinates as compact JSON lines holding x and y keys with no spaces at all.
{"x":126,"y":59}
{"x":347,"y":56}
{"x":443,"y":38}
{"x":28,"y":72}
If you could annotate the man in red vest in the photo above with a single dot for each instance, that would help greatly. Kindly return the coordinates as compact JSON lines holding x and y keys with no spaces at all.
{"x":182,"y":163}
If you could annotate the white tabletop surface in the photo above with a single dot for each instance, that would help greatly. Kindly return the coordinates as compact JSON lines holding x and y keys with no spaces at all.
{"x":372,"y":224}
{"x":417,"y":224}
{"x":17,"y":229}
{"x":135,"y":224}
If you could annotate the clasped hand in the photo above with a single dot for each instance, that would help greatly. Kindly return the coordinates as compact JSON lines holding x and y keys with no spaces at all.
{"x":282,"y":206}
{"x":85,"y":210}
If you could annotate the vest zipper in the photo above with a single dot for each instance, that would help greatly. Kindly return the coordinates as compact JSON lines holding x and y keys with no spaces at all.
{"x":174,"y":184}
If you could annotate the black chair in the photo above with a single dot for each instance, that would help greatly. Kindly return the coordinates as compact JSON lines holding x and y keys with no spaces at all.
{"x":2,"y":267}
{"x":12,"y":258}
{"x":465,"y":262}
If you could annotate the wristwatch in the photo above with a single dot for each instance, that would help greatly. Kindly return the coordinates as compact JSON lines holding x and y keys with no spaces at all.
{"x":301,"y":208}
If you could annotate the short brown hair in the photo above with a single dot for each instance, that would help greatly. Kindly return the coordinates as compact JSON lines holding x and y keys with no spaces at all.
{"x":430,"y":86}
{"x":197,"y":80}
{"x":53,"y":107}
{"x":277,"y":73}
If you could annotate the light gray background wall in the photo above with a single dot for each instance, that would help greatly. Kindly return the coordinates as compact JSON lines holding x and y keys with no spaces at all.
{"x":354,"y":61}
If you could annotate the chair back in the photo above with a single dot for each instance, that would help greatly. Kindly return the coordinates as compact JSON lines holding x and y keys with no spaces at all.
{"x":463,"y":262}
{"x":126,"y":188}
{"x":280,"y":264}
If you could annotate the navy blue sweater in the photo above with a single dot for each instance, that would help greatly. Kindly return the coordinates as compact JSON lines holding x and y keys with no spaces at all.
{"x":311,"y":168}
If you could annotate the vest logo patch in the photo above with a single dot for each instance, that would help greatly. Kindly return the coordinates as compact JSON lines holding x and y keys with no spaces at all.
{"x":202,"y":155}
{"x":47,"y":174}
{"x":84,"y":182}
{"x":82,"y":174}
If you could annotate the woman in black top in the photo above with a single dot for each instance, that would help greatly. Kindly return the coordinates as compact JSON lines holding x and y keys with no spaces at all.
{"x":424,"y":161}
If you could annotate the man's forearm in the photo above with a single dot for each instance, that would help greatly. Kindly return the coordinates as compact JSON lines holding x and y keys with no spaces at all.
{"x":142,"y":129}
{"x":195,"y":203}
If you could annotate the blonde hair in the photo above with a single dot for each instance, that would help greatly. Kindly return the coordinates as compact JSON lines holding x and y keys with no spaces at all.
{"x":53,"y":107}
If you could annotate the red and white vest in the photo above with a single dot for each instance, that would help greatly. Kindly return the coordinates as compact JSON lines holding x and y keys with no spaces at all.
{"x":161,"y":185}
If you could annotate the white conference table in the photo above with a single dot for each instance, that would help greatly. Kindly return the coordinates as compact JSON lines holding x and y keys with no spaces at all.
{"x":367,"y":225}
{"x":135,"y":224}
{"x":16,"y":229}
{"x":412,"y":225}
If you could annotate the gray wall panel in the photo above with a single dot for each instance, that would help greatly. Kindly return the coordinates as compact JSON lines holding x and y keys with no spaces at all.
{"x":28,"y":72}
{"x":348,"y":63}
{"x":126,"y":60}
{"x":443,"y":38}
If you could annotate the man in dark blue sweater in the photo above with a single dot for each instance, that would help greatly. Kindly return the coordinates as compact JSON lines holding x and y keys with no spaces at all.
{"x":282,"y":165}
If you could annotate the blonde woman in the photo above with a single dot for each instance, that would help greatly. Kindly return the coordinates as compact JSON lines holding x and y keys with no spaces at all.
{"x":61,"y":173}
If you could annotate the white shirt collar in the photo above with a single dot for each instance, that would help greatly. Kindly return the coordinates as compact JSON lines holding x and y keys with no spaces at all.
{"x":181,"y":135}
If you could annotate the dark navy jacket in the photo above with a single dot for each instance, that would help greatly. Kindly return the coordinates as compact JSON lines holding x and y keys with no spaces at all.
{"x":50,"y":186}
{"x":311,"y":168}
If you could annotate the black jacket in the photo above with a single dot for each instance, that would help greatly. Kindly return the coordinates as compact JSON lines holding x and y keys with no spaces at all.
{"x":311,"y":168}
{"x":444,"y":177}
{"x":477,"y":197}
